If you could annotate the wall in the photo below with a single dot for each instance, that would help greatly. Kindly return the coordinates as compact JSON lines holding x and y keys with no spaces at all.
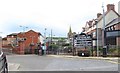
{"x":118,"y":41}
{"x":4,"y":42}
{"x":11,"y":40}
{"x":117,"y":27}
{"x":31,"y":37}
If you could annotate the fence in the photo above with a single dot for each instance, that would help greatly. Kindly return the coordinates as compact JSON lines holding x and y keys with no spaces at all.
{"x":111,"y":51}
{"x":3,"y":64}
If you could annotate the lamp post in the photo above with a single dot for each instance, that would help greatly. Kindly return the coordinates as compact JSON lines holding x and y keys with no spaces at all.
{"x":97,"y":41}
{"x":45,"y":41}
{"x":103,"y":28}
{"x":51,"y":40}
{"x":103,"y":34}
{"x":73,"y":48}
{"x":23,"y":27}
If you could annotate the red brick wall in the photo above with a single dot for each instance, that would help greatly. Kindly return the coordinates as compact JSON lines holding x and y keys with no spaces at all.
{"x":117,"y":27}
{"x":4,"y":42}
{"x":118,"y":38}
{"x":118,"y":41}
{"x":30,"y":36}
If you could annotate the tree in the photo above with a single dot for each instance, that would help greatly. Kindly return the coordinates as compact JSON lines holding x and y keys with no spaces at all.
{"x":54,"y":46}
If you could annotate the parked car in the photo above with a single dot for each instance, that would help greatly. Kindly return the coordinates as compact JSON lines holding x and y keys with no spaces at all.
{"x":3,"y":63}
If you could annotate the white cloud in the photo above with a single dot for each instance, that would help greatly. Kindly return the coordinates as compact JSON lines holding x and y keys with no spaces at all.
{"x":51,"y":14}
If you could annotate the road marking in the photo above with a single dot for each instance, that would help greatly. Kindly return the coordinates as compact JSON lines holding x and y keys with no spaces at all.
{"x":113,"y":62}
{"x":86,"y":58}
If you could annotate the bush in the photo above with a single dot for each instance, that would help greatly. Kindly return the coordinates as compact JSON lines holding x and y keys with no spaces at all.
{"x":53,"y":46}
{"x":114,"y":52}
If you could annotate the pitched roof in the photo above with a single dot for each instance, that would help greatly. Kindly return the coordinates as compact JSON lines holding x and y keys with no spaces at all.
{"x":30,"y":31}
{"x":5,"y":38}
{"x":13,"y":34}
{"x":107,"y":13}
{"x":113,"y":22}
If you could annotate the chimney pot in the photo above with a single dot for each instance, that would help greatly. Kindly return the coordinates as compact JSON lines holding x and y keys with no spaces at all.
{"x":98,"y":15}
{"x":110,"y":7}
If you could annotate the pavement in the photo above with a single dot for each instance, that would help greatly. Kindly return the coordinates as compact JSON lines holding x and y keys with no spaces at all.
{"x":110,"y":59}
{"x":13,"y":66}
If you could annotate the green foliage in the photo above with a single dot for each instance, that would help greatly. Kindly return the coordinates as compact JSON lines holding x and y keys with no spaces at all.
{"x":54,"y":46}
{"x":114,"y":51}
{"x":70,"y":47}
{"x":101,"y":49}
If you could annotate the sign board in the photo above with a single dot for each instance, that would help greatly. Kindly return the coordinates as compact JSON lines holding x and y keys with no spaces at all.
{"x":82,"y":41}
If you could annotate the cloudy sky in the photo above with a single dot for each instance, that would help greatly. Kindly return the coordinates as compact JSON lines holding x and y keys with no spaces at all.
{"x":57,"y":15}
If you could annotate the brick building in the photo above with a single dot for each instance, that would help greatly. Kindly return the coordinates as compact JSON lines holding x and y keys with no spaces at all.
{"x":9,"y":42}
{"x":10,"y":39}
{"x":113,"y":32}
{"x":28,"y":41}
{"x":23,"y":42}
{"x":111,"y":18}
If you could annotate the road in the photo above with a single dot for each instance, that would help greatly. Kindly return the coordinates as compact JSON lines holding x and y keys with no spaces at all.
{"x":47,"y":63}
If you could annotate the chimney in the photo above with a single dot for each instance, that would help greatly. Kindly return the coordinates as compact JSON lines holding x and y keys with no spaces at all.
{"x":90,"y":23}
{"x":98,"y":15}
{"x":110,"y":7}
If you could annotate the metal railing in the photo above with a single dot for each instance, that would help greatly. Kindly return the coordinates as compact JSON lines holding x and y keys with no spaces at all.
{"x":4,"y":65}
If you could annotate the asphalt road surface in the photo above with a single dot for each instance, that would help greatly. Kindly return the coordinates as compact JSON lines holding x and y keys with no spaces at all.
{"x":47,"y":63}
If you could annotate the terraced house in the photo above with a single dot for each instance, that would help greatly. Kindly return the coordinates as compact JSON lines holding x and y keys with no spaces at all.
{"x":112,"y":27}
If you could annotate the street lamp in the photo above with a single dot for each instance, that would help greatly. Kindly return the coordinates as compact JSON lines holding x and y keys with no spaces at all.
{"x":97,"y":40}
{"x":45,"y":41}
{"x":51,"y":40}
{"x":103,"y":33}
{"x":24,"y":27}
{"x":103,"y":26}
{"x":73,"y":48}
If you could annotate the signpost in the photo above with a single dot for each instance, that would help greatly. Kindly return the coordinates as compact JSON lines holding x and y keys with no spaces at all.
{"x":81,"y":44}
